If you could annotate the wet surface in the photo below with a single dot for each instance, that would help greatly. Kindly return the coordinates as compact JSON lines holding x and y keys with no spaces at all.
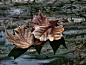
{"x":62,"y":57}
{"x":74,"y":34}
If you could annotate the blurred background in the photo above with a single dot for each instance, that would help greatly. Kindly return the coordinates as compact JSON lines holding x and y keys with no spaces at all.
{"x":71,"y":13}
